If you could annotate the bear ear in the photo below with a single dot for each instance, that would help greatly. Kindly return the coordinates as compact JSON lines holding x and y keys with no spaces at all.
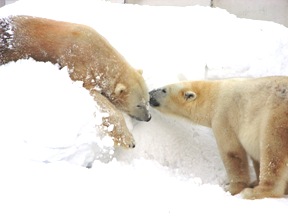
{"x":190,"y":95}
{"x":140,"y":71}
{"x":120,"y":88}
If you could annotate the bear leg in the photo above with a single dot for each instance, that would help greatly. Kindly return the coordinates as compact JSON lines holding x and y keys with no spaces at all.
{"x":234,"y":159}
{"x":273,"y":177}
{"x":113,"y":124}
{"x":273,"y":162}
{"x":269,"y":186}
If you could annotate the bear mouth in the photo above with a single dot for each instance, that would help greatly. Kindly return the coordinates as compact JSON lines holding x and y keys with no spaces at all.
{"x":146,"y":119}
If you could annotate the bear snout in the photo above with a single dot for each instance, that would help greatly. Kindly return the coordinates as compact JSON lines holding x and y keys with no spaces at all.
{"x":147,"y":117}
{"x":155,"y":95}
{"x":153,"y":102}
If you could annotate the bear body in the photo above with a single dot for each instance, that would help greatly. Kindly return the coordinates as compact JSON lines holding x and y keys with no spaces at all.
{"x":89,"y":58}
{"x":248,"y":117}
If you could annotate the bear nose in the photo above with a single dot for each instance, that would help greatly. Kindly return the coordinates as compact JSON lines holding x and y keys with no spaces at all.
{"x":132,"y":145}
{"x":155,"y":95}
{"x":153,"y":102}
{"x":149,"y":118}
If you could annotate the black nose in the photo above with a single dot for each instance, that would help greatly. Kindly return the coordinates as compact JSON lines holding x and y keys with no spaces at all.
{"x":153,"y":102}
{"x":149,"y":118}
{"x":155,"y":95}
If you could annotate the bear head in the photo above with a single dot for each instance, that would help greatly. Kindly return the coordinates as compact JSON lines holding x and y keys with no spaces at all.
{"x":177,"y":99}
{"x":131,"y":96}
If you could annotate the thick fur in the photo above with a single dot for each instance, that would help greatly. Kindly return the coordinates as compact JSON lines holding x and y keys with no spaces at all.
{"x":248,"y":117}
{"x":114,"y":84}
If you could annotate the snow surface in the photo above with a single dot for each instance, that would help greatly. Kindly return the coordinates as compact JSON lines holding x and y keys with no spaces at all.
{"x":48,"y":122}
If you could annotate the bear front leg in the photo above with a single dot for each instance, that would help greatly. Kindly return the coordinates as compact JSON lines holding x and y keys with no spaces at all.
{"x":113,"y":122}
{"x":234,"y":159}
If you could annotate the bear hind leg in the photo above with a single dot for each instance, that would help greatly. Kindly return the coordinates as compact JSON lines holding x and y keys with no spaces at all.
{"x":273,"y":172}
{"x":274,"y":187}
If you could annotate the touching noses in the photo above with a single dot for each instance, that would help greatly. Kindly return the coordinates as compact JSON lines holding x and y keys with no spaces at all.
{"x":155,"y":95}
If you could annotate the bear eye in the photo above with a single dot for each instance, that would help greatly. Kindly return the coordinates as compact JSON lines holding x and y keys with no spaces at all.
{"x":189,"y":95}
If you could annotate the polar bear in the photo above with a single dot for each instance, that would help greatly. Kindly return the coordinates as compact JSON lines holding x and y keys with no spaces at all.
{"x":114,"y":84}
{"x":248,"y":117}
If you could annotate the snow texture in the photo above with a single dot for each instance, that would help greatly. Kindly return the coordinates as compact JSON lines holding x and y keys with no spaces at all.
{"x":48,"y":122}
{"x":7,"y":34}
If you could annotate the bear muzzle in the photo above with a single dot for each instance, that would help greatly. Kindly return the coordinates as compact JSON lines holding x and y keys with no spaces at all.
{"x":146,"y":117}
{"x":153,"y":102}
{"x":156,"y":95}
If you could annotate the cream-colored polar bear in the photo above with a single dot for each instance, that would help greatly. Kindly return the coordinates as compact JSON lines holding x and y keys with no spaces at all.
{"x":248,"y":117}
{"x":89,"y":57}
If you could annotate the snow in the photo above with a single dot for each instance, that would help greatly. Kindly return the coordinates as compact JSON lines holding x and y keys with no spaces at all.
{"x":48,"y":123}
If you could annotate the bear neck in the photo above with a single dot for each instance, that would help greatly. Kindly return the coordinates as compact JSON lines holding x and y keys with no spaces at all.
{"x":107,"y":77}
{"x":203,"y":111}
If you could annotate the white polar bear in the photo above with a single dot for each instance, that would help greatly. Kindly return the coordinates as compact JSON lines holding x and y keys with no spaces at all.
{"x":114,"y":84}
{"x":247,"y":116}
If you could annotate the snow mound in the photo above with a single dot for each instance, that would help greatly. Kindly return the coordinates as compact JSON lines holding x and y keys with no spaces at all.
{"x":48,"y":122}
{"x":48,"y":116}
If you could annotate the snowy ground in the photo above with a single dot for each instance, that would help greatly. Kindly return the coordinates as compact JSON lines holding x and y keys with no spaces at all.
{"x":47,"y":122}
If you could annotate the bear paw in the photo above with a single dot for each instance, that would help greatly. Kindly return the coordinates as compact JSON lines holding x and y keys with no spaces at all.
{"x":260,"y":193}
{"x":237,"y":187}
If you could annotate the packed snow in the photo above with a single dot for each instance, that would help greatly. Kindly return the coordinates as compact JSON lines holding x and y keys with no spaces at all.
{"x":48,"y":122}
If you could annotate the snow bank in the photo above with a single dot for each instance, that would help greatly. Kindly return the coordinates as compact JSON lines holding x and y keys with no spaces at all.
{"x":48,"y":116}
{"x":48,"y":122}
